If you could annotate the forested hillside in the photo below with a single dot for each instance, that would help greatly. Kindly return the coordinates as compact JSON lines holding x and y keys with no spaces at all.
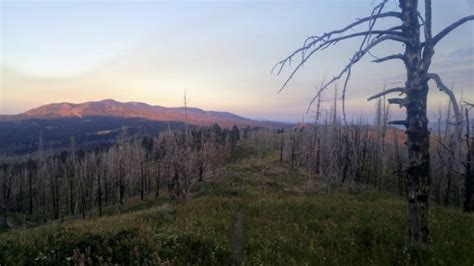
{"x":26,"y":136}
{"x":252,"y":209}
{"x":217,"y":196}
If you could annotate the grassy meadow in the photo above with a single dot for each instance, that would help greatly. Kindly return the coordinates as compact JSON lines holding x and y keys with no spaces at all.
{"x":285,"y":218}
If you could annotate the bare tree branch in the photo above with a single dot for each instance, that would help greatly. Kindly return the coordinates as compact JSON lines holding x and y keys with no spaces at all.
{"x":398,"y":89}
{"x":376,"y":11}
{"x":395,"y":29}
{"x":427,"y":19}
{"x":399,"y":101}
{"x":450,"y":28}
{"x":390,"y":57}
{"x":348,"y":76}
{"x":316,"y":43}
{"x":356,"y":58}
{"x":442,"y":87}
{"x":456,"y":137}
{"x":398,"y":122}
{"x":357,"y":23}
{"x":326,"y":37}
{"x":326,"y":42}
{"x":364,"y":34}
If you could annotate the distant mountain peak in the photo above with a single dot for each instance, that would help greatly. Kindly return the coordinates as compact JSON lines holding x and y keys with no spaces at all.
{"x":113,"y":108}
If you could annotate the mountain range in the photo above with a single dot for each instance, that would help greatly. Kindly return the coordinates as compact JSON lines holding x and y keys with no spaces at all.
{"x":97,"y":124}
{"x":112,"y":108}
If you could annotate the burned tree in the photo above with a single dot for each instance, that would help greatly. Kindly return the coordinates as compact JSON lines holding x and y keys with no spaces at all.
{"x":468,"y":205}
{"x":417,"y":56}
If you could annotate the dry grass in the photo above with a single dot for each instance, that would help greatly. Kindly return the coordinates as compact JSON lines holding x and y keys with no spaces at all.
{"x":284,"y":224}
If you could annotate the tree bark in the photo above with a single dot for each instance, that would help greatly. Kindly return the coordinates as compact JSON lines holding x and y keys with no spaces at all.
{"x":201,"y":171}
{"x":30,"y":192}
{"x":157,"y":181}
{"x":281,"y":149}
{"x":142,"y":181}
{"x":121,"y":182}
{"x":448,"y":185}
{"x":99,"y":191}
{"x":469,"y":178}
{"x":3,"y":218}
{"x":418,"y":172}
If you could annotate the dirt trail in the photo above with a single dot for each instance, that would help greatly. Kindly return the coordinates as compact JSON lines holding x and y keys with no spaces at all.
{"x":238,"y":239}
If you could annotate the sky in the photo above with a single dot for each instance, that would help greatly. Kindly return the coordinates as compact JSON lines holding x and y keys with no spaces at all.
{"x":221,"y":52}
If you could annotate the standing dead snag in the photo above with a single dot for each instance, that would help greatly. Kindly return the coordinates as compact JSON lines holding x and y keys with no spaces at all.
{"x":468,"y":205}
{"x":417,"y":59}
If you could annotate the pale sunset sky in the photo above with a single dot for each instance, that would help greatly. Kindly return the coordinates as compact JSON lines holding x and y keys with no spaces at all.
{"x":222,"y":52}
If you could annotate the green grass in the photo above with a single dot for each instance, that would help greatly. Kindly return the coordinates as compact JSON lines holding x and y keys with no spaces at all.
{"x":284,"y":224}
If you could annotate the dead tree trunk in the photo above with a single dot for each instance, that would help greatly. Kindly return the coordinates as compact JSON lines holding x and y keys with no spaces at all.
{"x":469,"y":178}
{"x":99,"y":191}
{"x":418,"y":172}
{"x":281,"y":149}
{"x":157,"y":180}
{"x":30,"y":191}
{"x":121,"y":184}
{"x":417,"y":60}
{"x":142,"y":180}
{"x":201,"y":170}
